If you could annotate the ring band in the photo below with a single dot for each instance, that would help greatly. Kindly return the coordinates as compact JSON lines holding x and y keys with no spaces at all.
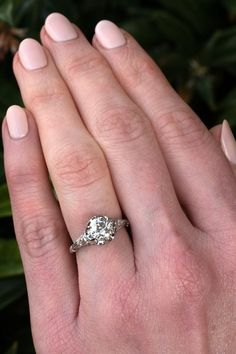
{"x":100,"y":230}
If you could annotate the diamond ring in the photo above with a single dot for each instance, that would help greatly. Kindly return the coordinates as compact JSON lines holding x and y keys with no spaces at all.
{"x":99,"y":230}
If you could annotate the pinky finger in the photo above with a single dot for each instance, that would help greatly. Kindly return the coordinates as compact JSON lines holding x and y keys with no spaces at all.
{"x":50,"y":271}
{"x":224,"y":136}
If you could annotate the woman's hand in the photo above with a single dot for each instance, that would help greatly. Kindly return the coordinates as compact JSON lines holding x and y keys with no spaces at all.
{"x":116,"y":137}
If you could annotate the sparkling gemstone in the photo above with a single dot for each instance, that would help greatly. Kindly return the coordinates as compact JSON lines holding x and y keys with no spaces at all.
{"x":100,"y":229}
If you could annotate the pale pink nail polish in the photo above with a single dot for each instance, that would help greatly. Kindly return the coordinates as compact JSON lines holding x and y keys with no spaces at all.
{"x":17,"y":122}
{"x":59,"y":28}
{"x":109,"y":35}
{"x":32,"y":54}
{"x":228,"y":142}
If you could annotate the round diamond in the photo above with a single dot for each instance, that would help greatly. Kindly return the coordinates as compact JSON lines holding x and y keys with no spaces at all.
{"x":100,"y":229}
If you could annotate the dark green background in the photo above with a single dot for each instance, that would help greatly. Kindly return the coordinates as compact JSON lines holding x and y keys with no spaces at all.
{"x":194,"y":42}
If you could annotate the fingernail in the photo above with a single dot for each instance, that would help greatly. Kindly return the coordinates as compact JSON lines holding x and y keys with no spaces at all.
{"x":32,"y":55}
{"x":17,"y":122}
{"x":228,"y":142}
{"x":59,"y":28}
{"x":109,"y":35}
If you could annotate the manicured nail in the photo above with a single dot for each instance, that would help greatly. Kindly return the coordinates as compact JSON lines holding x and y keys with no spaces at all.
{"x":59,"y":28}
{"x":228,"y":142}
{"x":17,"y":122}
{"x":109,"y":35}
{"x":32,"y":55}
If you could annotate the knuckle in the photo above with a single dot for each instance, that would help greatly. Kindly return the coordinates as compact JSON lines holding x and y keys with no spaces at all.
{"x":127,"y":307}
{"x":186,"y":275}
{"x":121,"y":125}
{"x":46,"y":95}
{"x":181,"y":129}
{"x":140,"y":68}
{"x":39,"y":234}
{"x":86,"y":64}
{"x":77,"y":168}
{"x":21,"y":180}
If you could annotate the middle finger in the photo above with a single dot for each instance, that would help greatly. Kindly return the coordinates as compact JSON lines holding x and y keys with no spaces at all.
{"x":138,"y":169}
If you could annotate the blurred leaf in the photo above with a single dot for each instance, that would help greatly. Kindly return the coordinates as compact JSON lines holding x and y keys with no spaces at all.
{"x":10,"y":260}
{"x":227,"y":108}
{"x":24,"y":7}
{"x":6,"y":10}
{"x":230,"y":5}
{"x":175,"y":66}
{"x":5,"y":206}
{"x":13,"y":349}
{"x":205,"y":88}
{"x":220,"y":50}
{"x":11,"y":289}
{"x":142,"y":29}
{"x":191,"y":10}
{"x":11,"y":11}
{"x":175,"y":31}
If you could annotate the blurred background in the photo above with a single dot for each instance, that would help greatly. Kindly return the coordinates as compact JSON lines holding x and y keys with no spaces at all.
{"x":194,"y":42}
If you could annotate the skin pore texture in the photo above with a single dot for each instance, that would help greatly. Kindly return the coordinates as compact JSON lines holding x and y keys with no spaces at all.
{"x":104,"y":126}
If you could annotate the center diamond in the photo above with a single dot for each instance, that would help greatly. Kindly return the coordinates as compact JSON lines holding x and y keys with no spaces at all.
{"x":100,"y":229}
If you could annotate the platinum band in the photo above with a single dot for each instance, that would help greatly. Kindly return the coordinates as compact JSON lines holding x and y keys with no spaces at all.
{"x":100,"y":230}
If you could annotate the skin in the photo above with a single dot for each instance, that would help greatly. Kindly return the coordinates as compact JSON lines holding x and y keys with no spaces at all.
{"x":113,"y":141}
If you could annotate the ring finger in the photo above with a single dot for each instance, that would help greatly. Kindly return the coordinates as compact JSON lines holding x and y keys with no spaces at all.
{"x":76,"y":164}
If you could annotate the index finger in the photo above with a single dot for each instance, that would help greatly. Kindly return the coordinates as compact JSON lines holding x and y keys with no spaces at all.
{"x":201,"y":175}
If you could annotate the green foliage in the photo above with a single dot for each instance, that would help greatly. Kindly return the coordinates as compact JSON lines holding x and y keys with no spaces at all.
{"x":10,"y":264}
{"x":10,"y":290}
{"x":6,"y":10}
{"x":175,"y":31}
{"x":194,"y":43}
{"x":5,"y":208}
{"x":13,"y":349}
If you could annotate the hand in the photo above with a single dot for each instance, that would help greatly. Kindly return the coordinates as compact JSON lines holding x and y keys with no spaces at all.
{"x":117,"y":138}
